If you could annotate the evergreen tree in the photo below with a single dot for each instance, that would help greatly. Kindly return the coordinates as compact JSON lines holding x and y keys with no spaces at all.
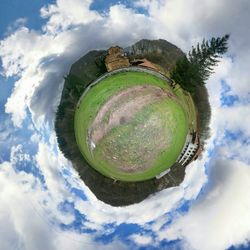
{"x":193,"y":70}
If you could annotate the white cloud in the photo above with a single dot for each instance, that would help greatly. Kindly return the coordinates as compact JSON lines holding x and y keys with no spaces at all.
{"x":30,"y":214}
{"x":195,"y":177}
{"x":21,"y":54}
{"x":65,"y":13}
{"x":221,"y":218}
{"x":16,"y":210}
{"x":50,"y":165}
{"x":20,"y":22}
{"x":161,"y":203}
{"x":17,"y":154}
{"x":141,"y":239}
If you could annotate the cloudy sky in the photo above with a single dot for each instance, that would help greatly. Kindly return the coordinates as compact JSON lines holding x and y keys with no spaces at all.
{"x":43,"y":203}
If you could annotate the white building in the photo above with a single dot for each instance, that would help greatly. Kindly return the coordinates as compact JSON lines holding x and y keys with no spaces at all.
{"x":189,"y":150}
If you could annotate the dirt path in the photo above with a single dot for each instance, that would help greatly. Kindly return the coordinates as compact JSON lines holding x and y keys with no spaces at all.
{"x":122,"y":108}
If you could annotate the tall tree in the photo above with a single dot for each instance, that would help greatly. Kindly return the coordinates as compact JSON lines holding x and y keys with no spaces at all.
{"x":195,"y":68}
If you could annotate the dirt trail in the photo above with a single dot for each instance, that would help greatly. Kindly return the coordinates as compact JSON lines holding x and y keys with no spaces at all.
{"x":122,"y":108}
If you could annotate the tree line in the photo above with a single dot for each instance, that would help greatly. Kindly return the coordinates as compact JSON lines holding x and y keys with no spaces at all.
{"x":194,"y":69}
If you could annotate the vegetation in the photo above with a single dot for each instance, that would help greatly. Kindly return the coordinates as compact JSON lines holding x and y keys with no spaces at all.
{"x":193,"y":70}
{"x":75,"y":83}
{"x":200,"y":98}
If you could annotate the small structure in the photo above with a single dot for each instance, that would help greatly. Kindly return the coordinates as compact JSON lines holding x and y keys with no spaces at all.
{"x":191,"y":149}
{"x":144,"y":63}
{"x":162,"y":174}
{"x":116,"y":59}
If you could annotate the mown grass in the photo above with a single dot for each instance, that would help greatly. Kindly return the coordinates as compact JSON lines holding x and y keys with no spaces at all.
{"x":99,"y":94}
{"x":188,"y":105}
{"x":130,"y":149}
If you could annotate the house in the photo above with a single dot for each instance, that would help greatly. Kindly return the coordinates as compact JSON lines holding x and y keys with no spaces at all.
{"x":116,"y":59}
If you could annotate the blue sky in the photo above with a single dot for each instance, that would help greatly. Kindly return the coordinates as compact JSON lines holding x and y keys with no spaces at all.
{"x":40,"y":182}
{"x":13,"y":10}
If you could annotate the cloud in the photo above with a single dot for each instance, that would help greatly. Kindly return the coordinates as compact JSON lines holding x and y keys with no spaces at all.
{"x":141,"y":239}
{"x":64,"y":14}
{"x":16,"y":207}
{"x":221,"y":217}
{"x":20,"y":22}
{"x":30,"y":213}
{"x":25,"y":228}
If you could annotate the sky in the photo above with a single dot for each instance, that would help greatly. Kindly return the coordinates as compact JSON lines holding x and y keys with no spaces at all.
{"x":44,"y":204}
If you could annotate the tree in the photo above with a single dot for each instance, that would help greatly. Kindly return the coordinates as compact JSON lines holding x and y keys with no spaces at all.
{"x":193,"y":70}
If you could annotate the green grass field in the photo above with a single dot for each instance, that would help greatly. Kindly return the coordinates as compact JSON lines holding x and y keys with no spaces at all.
{"x":167,"y":119}
{"x":188,"y":105}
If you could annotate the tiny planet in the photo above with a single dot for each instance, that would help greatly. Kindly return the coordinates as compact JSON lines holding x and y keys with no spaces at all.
{"x":127,"y":127}
{"x":130,"y":125}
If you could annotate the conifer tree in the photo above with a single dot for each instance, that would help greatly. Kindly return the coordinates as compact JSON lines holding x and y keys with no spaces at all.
{"x":195,"y":68}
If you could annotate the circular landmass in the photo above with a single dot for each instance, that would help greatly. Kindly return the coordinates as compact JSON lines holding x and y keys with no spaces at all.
{"x":84,"y":74}
{"x":130,"y":125}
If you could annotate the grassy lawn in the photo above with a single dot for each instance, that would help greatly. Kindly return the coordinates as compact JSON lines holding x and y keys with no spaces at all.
{"x":173,"y":122}
{"x":188,"y":105}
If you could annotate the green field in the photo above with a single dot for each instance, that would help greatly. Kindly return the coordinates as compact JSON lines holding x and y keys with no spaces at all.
{"x":154,"y":137}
